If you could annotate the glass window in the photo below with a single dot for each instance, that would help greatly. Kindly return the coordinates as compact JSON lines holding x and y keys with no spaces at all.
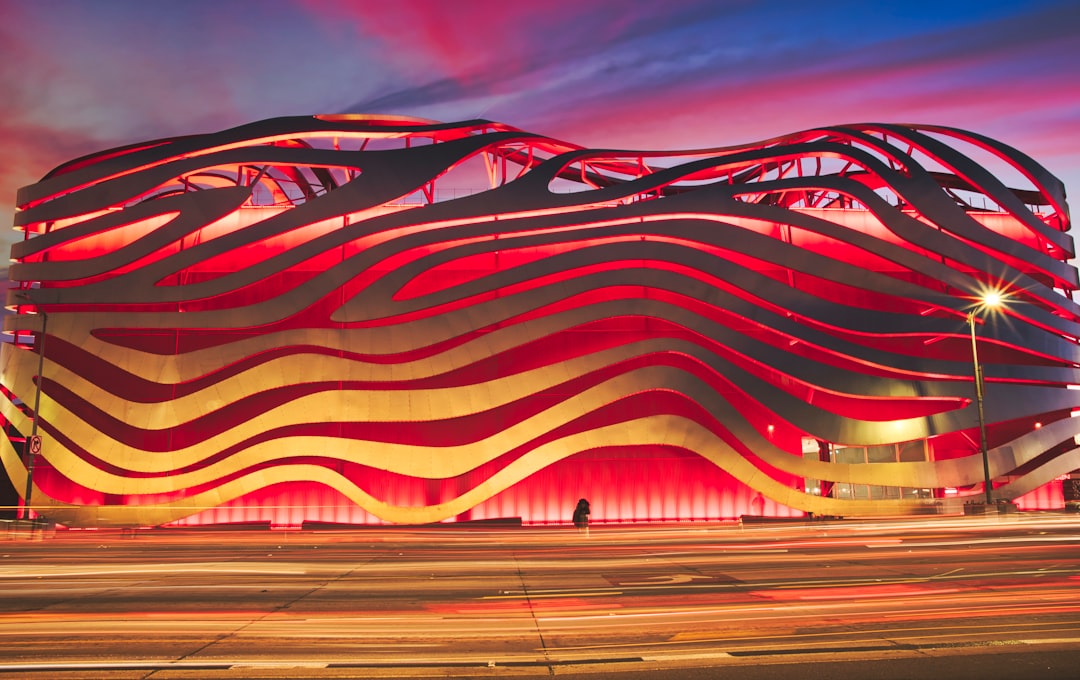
{"x":913,"y":451}
{"x":881,"y":454}
{"x":851,"y":454}
{"x":885,"y":492}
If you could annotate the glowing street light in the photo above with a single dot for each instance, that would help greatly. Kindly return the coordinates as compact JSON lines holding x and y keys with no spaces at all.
{"x":990,"y":300}
{"x":30,"y":442}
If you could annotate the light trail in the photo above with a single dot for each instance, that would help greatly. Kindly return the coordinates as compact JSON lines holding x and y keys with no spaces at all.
{"x":545,"y":597}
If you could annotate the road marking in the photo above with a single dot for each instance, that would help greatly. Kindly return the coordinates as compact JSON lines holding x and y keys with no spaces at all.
{"x":727,"y":551}
{"x":661,"y":658}
{"x":46,"y":571}
{"x":665,"y":579}
{"x":979,"y":541}
{"x":277,"y":665}
{"x":565,"y":593}
{"x":1050,"y":641}
{"x":948,"y":573}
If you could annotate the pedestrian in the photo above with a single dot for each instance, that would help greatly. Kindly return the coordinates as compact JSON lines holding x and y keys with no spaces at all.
{"x":759,"y":504}
{"x":581,"y":516}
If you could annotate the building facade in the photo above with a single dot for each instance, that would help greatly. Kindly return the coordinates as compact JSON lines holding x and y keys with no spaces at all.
{"x":368,"y":319}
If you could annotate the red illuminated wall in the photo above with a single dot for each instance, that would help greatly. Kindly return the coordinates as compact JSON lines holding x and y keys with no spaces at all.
{"x":324,"y":320}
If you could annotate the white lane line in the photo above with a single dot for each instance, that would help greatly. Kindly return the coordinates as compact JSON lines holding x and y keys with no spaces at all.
{"x":977,"y":541}
{"x":148,"y":570}
{"x":551,"y":594}
{"x":277,"y":665}
{"x":662,"y":658}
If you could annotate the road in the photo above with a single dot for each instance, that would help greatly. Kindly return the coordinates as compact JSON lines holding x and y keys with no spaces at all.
{"x":957,"y":597}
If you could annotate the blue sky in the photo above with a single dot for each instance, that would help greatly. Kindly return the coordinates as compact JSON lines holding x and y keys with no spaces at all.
{"x":79,"y":76}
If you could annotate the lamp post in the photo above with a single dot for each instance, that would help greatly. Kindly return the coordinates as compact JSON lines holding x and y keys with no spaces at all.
{"x":989,"y":301}
{"x":28,"y":448}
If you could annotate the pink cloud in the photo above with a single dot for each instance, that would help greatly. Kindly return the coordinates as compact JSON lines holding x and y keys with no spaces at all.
{"x":486,"y":41}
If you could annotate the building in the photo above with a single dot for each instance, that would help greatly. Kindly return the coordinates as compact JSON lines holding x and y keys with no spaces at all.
{"x":322,"y":319}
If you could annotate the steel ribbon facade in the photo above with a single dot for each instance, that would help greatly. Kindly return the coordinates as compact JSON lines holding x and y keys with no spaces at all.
{"x":298,"y":321}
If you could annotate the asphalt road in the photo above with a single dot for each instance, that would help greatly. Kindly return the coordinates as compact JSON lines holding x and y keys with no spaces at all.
{"x":942,"y":597}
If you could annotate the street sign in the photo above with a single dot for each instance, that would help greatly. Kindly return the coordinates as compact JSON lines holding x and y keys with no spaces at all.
{"x":35,"y":444}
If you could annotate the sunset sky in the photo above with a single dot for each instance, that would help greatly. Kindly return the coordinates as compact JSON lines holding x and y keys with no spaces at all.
{"x":79,"y":76}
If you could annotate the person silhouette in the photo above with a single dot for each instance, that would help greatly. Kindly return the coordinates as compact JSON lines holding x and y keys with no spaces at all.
{"x":759,"y":504}
{"x":581,"y":516}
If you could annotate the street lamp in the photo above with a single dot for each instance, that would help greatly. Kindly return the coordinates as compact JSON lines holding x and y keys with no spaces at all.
{"x":990,"y":300}
{"x":28,"y":448}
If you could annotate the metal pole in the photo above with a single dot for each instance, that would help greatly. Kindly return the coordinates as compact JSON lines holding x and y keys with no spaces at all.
{"x":982,"y":416}
{"x":34,"y":426}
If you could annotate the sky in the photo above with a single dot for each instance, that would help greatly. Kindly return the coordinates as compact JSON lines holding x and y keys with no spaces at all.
{"x":80,"y":76}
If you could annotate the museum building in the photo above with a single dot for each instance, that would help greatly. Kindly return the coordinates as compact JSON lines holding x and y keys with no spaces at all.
{"x":355,"y":319}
